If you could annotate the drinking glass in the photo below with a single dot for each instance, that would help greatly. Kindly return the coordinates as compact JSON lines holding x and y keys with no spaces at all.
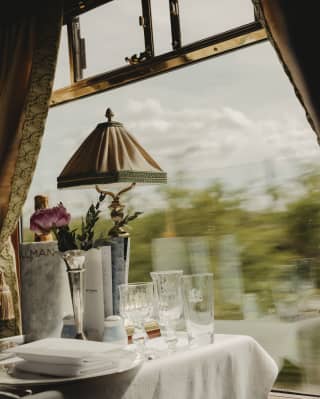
{"x":136,"y":305}
{"x":169,"y":302}
{"x":198,"y":308}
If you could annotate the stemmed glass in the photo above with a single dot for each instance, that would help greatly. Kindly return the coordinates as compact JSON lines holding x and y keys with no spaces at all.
{"x":169,"y":302}
{"x":136,"y":305}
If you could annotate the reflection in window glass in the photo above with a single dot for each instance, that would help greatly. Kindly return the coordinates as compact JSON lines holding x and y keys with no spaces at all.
{"x":204,"y":18}
{"x":62,"y":75}
{"x":243,"y":198}
{"x":112,"y":33}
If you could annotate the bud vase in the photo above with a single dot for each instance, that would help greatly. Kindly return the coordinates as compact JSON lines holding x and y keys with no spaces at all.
{"x":74,"y":261}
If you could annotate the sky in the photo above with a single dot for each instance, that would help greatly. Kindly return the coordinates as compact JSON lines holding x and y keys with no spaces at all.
{"x":233,"y":118}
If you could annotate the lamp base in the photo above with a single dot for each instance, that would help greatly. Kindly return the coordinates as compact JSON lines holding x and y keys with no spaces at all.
{"x":117,"y":212}
{"x":120,"y":256}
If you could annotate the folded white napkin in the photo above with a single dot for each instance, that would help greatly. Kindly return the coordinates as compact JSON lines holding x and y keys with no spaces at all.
{"x":64,"y":370}
{"x":65,"y":357}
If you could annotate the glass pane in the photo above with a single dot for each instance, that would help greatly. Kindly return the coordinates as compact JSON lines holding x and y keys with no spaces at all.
{"x":161,"y":26}
{"x":62,"y":75}
{"x":112,"y":33}
{"x":242,"y":201}
{"x":204,"y":18}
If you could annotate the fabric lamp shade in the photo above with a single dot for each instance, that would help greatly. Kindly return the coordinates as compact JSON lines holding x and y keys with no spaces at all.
{"x":109,"y":155}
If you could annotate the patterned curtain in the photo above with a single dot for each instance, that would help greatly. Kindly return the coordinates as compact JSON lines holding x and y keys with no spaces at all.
{"x":293,"y":29}
{"x":28,"y":51}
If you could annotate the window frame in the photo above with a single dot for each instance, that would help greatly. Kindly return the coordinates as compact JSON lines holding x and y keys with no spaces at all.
{"x":147,"y":65}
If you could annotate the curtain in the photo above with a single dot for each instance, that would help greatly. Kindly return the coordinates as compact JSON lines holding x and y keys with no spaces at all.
{"x":293,"y":29}
{"x":29,"y":44}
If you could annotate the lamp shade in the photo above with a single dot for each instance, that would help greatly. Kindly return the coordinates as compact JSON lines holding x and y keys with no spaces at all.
{"x":110,"y":154}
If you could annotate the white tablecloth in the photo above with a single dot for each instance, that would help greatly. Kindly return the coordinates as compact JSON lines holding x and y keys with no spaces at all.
{"x":281,"y":339}
{"x":234,"y":367}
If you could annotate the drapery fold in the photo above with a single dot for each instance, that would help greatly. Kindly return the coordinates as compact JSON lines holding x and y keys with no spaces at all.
{"x":293,"y":29}
{"x":28,"y":52}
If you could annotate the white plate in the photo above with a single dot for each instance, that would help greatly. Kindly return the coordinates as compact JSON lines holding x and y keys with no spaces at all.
{"x":10,"y":376}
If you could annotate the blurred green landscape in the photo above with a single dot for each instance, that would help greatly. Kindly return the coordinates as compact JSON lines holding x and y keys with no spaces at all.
{"x":269,"y":240}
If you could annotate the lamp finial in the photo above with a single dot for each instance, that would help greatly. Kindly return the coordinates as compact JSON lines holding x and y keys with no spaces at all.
{"x":109,"y":114}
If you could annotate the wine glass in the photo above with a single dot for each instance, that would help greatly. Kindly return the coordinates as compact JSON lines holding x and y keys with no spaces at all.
{"x":169,"y":302}
{"x":136,"y":305}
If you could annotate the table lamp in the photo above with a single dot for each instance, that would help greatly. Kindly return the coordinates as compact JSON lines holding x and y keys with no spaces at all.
{"x":110,"y":156}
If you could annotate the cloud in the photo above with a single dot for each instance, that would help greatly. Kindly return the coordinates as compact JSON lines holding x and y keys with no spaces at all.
{"x":194,"y":139}
{"x":149,"y":105}
{"x":214,"y":119}
{"x":154,"y":126}
{"x":238,"y":118}
{"x":214,"y":137}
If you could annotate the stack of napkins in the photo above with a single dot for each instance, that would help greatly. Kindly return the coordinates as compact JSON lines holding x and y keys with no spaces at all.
{"x":64,"y":357}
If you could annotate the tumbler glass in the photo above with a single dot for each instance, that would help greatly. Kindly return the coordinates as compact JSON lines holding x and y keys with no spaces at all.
{"x":168,"y":302}
{"x":198,"y":308}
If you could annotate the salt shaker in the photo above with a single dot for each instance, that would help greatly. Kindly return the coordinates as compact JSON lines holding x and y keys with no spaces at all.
{"x":114,"y":331}
{"x":68,"y":328}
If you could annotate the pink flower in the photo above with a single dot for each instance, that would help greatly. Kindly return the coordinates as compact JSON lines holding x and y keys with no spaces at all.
{"x":60,"y":216}
{"x":44,"y":220}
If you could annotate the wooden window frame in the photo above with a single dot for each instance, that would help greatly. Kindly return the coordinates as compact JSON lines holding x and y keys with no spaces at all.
{"x":146,"y":65}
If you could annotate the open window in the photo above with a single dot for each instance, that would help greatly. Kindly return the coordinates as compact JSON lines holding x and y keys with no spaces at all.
{"x":153,"y":42}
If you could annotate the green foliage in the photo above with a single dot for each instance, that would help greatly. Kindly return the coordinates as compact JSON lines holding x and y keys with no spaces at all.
{"x":117,"y":229}
{"x":288,"y":229}
{"x":66,"y":238}
{"x":268,"y":239}
{"x":86,"y":237}
{"x":303,"y":224}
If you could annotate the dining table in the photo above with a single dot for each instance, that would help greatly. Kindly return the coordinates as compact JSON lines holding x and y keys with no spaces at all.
{"x":232,"y":367}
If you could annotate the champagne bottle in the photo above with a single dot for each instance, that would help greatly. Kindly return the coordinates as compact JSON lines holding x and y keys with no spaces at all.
{"x":41,"y":202}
